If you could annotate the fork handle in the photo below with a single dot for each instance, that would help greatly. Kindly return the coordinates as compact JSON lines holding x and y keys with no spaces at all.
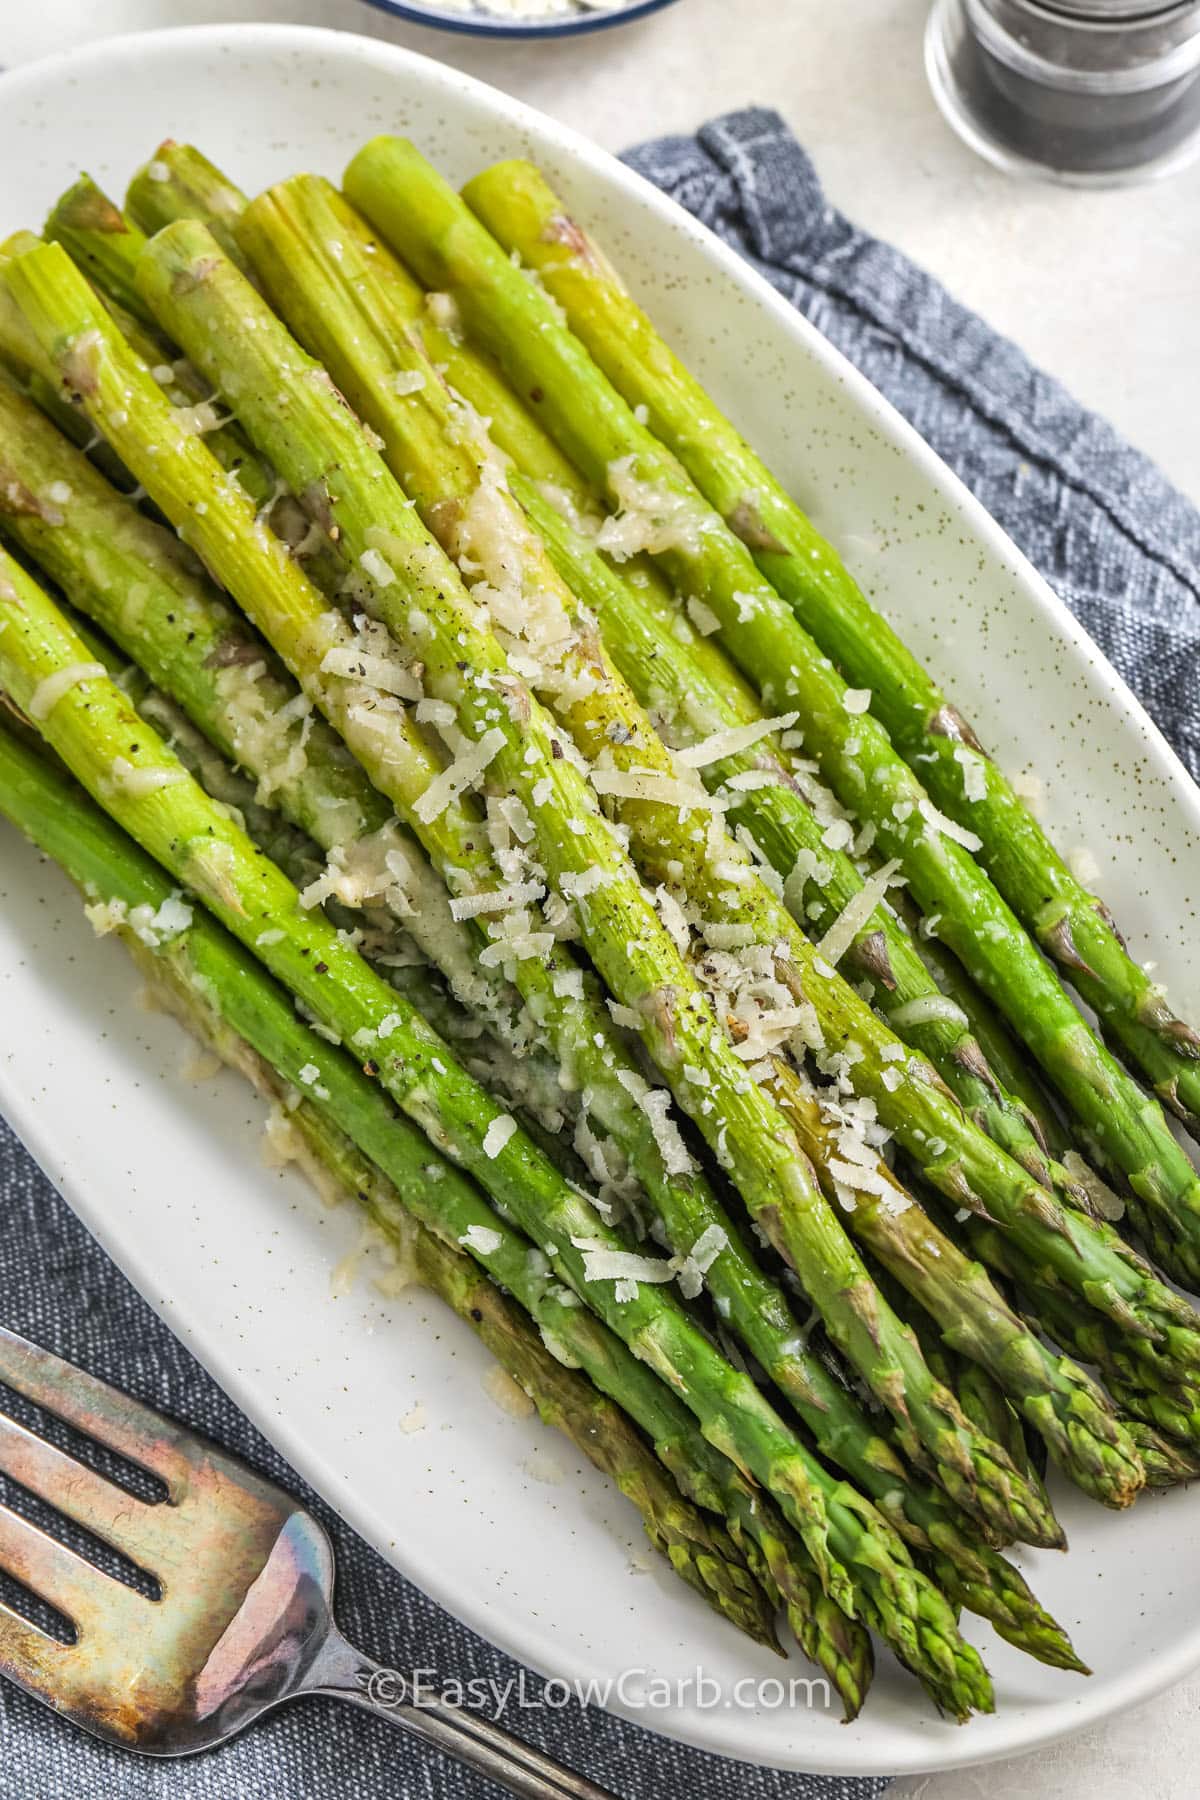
{"x":345,"y":1674}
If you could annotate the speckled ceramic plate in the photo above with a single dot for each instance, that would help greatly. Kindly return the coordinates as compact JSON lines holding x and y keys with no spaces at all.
{"x":239,"y":1260}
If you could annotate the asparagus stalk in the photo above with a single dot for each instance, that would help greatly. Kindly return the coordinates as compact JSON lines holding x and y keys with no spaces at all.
{"x":103,"y":243}
{"x":19,"y":353}
{"x":179,"y":182}
{"x":1072,"y":925}
{"x":416,"y":210}
{"x":978,"y":1392}
{"x":106,"y":246}
{"x":192,"y":974}
{"x":903,"y":1238}
{"x":1083,"y":1186}
{"x":324,"y":456}
{"x":87,"y":721}
{"x":1151,"y":1390}
{"x":1167,"y":1464}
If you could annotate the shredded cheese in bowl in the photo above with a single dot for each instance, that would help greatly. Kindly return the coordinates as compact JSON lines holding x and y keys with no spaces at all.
{"x":523,"y":17}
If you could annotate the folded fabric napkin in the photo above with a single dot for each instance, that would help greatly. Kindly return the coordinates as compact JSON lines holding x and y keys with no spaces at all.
{"x":1121,"y":547}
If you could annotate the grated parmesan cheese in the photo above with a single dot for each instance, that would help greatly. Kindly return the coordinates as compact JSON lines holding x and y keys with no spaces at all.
{"x":459,"y":775}
{"x":482,"y":1239}
{"x":48,"y":692}
{"x":138,"y":782}
{"x":973,"y":773}
{"x":937,"y":822}
{"x":855,"y":914}
{"x":926,"y":1009}
{"x":601,"y":1263}
{"x":644,"y":784}
{"x":470,"y":906}
{"x":706,"y":621}
{"x":386,"y":673}
{"x":497,"y":1135}
{"x":733,"y":742}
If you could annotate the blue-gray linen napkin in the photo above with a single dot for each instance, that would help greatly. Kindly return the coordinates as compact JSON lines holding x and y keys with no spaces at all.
{"x":1123,"y":549}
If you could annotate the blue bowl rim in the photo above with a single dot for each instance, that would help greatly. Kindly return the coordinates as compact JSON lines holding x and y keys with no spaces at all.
{"x":476,"y":25}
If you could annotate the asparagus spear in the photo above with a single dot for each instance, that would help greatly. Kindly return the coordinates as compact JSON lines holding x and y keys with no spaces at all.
{"x":219,"y":992}
{"x":179,"y":182}
{"x":106,"y":246}
{"x":87,"y":721}
{"x":1071,"y":924}
{"x":1083,"y":1185}
{"x":1152,"y":1390}
{"x":201,"y":296}
{"x":415,"y":209}
{"x":1167,"y":1464}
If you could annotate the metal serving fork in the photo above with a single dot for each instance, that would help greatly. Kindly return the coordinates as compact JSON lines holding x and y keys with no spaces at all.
{"x":243,"y":1621}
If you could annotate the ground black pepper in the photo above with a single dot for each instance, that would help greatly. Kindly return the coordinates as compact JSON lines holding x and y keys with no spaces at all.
{"x":1086,"y":89}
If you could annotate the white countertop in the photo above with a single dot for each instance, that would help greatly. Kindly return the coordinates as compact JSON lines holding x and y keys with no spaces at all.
{"x":1101,"y":288}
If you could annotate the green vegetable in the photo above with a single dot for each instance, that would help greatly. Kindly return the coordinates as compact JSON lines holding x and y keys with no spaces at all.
{"x":517,"y":322}
{"x":1071,"y":925}
{"x":114,"y":753}
{"x":304,"y":428}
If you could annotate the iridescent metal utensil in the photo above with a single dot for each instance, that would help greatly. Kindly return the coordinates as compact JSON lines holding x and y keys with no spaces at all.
{"x":243,"y":1619}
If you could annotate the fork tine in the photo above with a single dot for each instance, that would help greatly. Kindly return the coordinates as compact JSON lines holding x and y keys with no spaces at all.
{"x":114,"y":1514}
{"x":49,"y":1569}
{"x":27,"y":1655}
{"x":101,"y":1412}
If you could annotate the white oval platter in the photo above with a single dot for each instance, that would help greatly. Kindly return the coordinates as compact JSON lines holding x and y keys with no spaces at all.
{"x":238,"y":1259}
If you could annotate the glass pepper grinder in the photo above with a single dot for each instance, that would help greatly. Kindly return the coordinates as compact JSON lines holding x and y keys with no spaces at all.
{"x":1091,"y":92}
